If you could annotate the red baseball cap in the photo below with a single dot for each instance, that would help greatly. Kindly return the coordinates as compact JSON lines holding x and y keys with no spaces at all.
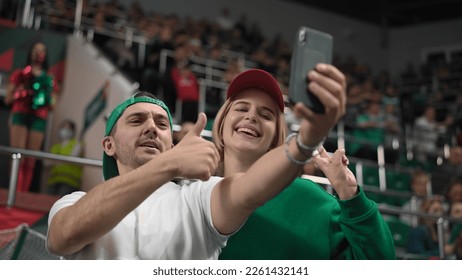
{"x":256,"y":78}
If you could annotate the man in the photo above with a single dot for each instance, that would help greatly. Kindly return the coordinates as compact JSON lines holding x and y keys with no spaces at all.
{"x":102,"y":223}
{"x":138,"y":213}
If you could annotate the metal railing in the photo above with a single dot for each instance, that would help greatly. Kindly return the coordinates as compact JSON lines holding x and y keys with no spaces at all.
{"x":440,"y":221}
{"x":16,"y":155}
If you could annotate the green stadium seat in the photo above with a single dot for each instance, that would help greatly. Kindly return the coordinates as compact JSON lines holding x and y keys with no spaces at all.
{"x":399,"y":230}
{"x":398,"y":180}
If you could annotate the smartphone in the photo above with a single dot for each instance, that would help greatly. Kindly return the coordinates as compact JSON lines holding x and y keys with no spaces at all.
{"x":310,"y":48}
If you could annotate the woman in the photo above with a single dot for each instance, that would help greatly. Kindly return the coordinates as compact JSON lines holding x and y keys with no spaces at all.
{"x":31,"y":94}
{"x":453,"y":248}
{"x":303,"y":221}
{"x":423,"y":239}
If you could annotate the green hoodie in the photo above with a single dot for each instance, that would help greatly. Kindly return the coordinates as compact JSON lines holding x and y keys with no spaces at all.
{"x":306,"y":222}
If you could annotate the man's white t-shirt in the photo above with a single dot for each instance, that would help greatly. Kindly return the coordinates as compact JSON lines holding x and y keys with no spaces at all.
{"x":174,"y":222}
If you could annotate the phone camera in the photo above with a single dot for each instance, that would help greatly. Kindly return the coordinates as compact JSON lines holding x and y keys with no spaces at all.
{"x":302,"y":36}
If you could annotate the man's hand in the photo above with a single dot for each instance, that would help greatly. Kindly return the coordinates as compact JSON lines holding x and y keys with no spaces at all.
{"x":197,"y":157}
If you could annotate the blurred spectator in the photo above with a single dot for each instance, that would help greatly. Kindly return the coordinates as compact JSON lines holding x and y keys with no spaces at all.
{"x":195,"y":45}
{"x":409,"y":86}
{"x":391,"y":97}
{"x":453,"y":248}
{"x":369,"y":132}
{"x":262,"y":58}
{"x":243,"y":26}
{"x":255,"y":35}
{"x":455,"y":210}
{"x":99,"y":27}
{"x":450,"y":168}
{"x":66,"y":177}
{"x":121,"y":54}
{"x":236,"y":41}
{"x":151,"y":77}
{"x":232,"y":70}
{"x":420,"y":184}
{"x":356,"y":100}
{"x":392,"y":134}
{"x":135,"y":11}
{"x":453,"y":192}
{"x":224,"y":20}
{"x":61,"y":13}
{"x":181,"y":57}
{"x":383,"y":80}
{"x":423,"y":239}
{"x":216,"y":53}
{"x":372,"y":93}
{"x":426,"y":132}
{"x":114,"y":11}
{"x":186,"y":86}
{"x":409,"y":77}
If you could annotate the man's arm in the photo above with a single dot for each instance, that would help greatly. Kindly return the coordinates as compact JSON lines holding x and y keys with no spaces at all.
{"x":103,"y":207}
{"x":237,"y":196}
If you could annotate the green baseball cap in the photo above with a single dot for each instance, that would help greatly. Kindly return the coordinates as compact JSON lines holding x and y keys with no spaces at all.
{"x":109,"y":163}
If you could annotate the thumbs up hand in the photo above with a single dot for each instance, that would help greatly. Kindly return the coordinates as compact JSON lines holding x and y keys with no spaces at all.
{"x":199,"y":125}
{"x":196,"y":158}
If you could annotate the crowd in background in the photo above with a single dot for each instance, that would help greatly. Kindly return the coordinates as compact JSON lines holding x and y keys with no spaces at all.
{"x":421,"y":107}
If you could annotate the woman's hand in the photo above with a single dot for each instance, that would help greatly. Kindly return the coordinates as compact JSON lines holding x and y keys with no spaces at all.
{"x":336,"y":170}
{"x":329,"y":85}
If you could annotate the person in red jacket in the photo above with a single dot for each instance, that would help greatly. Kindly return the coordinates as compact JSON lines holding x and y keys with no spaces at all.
{"x":30,"y":93}
{"x":186,"y":86}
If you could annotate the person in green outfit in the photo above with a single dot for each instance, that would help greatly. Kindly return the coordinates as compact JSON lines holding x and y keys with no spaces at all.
{"x":304,"y":221}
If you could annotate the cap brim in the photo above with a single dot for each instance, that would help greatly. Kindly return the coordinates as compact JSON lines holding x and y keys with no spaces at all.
{"x":256,"y":78}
